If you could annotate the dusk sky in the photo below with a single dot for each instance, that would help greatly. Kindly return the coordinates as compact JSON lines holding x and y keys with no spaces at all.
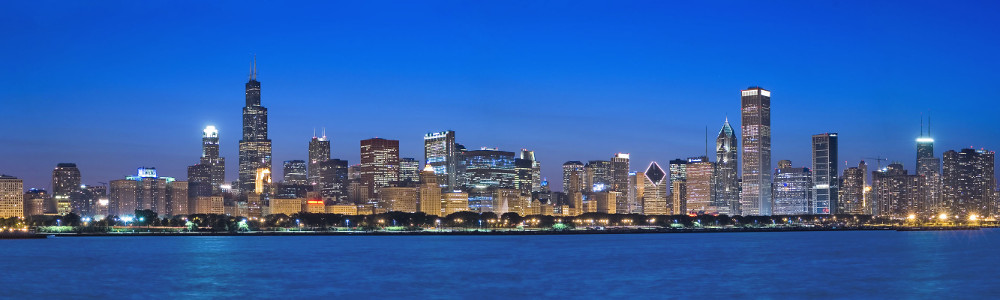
{"x":114,"y":85}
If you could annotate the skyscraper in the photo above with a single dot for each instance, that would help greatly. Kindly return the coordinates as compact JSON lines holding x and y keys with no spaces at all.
{"x":969,"y":182}
{"x":619,"y":181}
{"x":210,"y":156}
{"x":896,"y":193}
{"x":319,"y":151}
{"x":597,"y":176}
{"x":430,"y":192}
{"x":484,"y":171}
{"x":699,"y":190}
{"x":379,"y":165}
{"x":852,"y":191}
{"x":755,"y":193}
{"x":573,"y":176}
{"x":654,"y":194}
{"x":727,"y":184}
{"x":294,"y":172}
{"x":409,"y":169}
{"x":146,"y":191}
{"x":65,"y":180}
{"x":929,"y":167}
{"x":11,"y":197}
{"x":825,"y":178}
{"x":441,"y":153}
{"x":255,"y":147}
{"x":536,"y":169}
{"x":523,"y":174}
{"x":200,"y":181}
{"x":333,"y":180}
{"x":678,"y":172}
{"x":792,"y":190}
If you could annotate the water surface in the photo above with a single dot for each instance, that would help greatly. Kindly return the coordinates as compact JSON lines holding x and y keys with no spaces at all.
{"x":849,"y":264}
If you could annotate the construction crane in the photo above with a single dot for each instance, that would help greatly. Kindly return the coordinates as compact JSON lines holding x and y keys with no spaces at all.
{"x":878,"y":161}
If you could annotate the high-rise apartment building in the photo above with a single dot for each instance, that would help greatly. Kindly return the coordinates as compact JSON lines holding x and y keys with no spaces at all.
{"x":852,"y":191}
{"x":255,"y":147}
{"x":825,"y":176}
{"x":793,"y":188}
{"x":441,"y":153}
{"x":65,"y":180}
{"x":145,"y":191}
{"x":654,"y":195}
{"x":34,"y":202}
{"x":379,"y":165}
{"x":755,"y":192}
{"x":727,"y":183}
{"x":896,"y":193}
{"x":319,"y":151}
{"x":969,"y":182}
{"x":11,"y":197}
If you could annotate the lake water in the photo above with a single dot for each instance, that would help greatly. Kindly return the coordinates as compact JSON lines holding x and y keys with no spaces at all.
{"x":850,"y":264}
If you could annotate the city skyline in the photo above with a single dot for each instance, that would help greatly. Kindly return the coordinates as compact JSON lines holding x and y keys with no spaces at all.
{"x":135,"y":136}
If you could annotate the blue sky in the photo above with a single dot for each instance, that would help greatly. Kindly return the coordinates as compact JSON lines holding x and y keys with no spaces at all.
{"x":115,"y":85}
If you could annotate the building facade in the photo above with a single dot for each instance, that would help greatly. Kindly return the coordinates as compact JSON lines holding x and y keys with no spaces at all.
{"x":379,"y":165}
{"x":65,"y":180}
{"x":825,"y":174}
{"x":255,"y":147}
{"x":969,"y":182}
{"x":755,"y":191}
{"x":11,"y":197}
{"x":654,"y":191}
{"x":441,"y":153}
{"x":793,"y":189}
{"x":700,"y":186}
{"x":319,"y":151}
{"x":727,"y":183}
{"x":294,"y":172}
{"x":210,"y":157}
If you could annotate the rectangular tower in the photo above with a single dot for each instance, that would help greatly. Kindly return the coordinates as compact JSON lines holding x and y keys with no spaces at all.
{"x":379,"y":165}
{"x":755,"y":194}
{"x":441,"y":154}
{"x":825,"y":178}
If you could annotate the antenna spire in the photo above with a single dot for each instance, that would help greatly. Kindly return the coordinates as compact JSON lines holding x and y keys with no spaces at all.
{"x":324,"y":132}
{"x":921,"y":124}
{"x":255,"y":66}
{"x":928,"y":123}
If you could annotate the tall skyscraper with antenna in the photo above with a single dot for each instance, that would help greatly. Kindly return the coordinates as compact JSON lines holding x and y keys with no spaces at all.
{"x":755,"y":196}
{"x":319,"y":151}
{"x":929,"y":167}
{"x":727,"y":183}
{"x":255,"y":147}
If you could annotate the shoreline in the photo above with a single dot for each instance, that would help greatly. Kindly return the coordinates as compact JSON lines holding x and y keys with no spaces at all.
{"x":486,"y":232}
